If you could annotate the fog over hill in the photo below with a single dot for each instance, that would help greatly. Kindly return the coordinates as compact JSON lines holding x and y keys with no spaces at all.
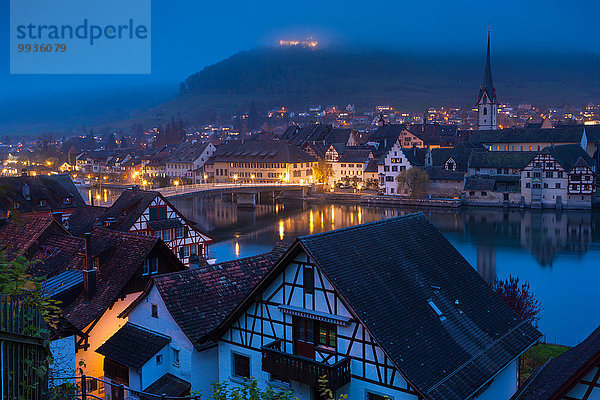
{"x":297,"y":77}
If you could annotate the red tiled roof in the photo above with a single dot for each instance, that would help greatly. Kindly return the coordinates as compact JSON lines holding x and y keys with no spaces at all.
{"x":200,"y":299}
{"x":121,"y":255}
{"x":21,"y":233}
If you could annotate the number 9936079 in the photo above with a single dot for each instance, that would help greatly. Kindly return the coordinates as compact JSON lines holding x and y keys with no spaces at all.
{"x":42,"y":48}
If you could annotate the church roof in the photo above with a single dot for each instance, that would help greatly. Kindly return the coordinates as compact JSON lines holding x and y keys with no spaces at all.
{"x":488,"y":84}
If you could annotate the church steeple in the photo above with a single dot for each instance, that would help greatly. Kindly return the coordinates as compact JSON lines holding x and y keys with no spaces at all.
{"x":487,"y":102}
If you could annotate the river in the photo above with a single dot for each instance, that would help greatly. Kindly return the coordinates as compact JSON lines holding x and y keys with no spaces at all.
{"x":557,"y":253}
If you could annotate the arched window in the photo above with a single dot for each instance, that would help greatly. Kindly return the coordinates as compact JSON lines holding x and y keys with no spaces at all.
{"x":484,"y":110}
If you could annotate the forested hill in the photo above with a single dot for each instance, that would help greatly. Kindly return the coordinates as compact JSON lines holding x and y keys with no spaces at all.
{"x":360,"y":76}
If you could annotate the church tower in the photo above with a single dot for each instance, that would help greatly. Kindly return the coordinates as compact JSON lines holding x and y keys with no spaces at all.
{"x":487,"y":104}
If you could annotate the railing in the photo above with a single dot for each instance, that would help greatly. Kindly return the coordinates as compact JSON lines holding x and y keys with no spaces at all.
{"x":304,"y":370}
{"x":121,"y":391}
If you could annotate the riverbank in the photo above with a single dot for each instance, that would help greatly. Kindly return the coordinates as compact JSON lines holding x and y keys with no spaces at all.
{"x":537,"y":356}
{"x":396,"y":201}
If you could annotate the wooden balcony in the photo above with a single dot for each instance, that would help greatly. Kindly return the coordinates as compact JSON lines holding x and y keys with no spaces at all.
{"x":302,"y":369}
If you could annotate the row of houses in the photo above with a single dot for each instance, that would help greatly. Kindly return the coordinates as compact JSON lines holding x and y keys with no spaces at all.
{"x":383,"y":310}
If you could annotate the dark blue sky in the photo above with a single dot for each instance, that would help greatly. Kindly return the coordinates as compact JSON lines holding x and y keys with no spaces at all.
{"x":190,"y":34}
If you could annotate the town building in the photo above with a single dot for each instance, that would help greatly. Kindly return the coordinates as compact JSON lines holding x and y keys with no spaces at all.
{"x":148,"y":213}
{"x":574,"y":374}
{"x":40,"y":195}
{"x":313,"y":133}
{"x":487,"y":104}
{"x":390,"y":165}
{"x":178,"y":311}
{"x":188,"y":157}
{"x":275,"y":161}
{"x":371,"y":307}
{"x":559,"y":176}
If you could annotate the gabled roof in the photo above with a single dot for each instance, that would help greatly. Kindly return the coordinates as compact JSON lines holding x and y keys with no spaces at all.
{"x":569,"y":156}
{"x":372,"y":165}
{"x":133,"y":345}
{"x":388,"y":272}
{"x":501,"y":159}
{"x":187,"y":152}
{"x":355,"y":155}
{"x":54,"y":189}
{"x":200,"y":299}
{"x":83,"y":218}
{"x":558,"y":376}
{"x":24,"y":233}
{"x":442,"y":174}
{"x":460,"y":154}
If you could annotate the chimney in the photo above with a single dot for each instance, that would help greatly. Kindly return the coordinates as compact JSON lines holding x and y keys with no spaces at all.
{"x":88,"y":256}
{"x":89,"y":284}
{"x":57,"y":216}
{"x":194,"y":262}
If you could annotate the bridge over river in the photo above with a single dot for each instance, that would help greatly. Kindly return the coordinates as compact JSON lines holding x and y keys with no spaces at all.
{"x":245,"y":194}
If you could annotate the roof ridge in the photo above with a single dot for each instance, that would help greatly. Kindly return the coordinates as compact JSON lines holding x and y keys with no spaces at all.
{"x":382,"y":221}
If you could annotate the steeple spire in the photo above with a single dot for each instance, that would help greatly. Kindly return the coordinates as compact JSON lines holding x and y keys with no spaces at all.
{"x":488,"y":83}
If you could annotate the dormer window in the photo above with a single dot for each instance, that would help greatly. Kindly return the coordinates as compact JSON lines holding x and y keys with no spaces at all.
{"x":17,"y":205}
{"x":67,"y":200}
{"x":436,"y":309}
{"x":41,"y":203}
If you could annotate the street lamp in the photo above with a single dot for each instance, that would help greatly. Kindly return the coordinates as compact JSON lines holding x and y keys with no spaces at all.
{"x":235,"y":177}
{"x":205,"y":178}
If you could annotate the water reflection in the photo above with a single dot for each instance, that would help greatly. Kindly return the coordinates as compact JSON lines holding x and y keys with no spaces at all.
{"x":556,"y":252}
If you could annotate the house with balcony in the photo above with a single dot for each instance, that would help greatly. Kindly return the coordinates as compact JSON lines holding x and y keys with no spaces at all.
{"x":388,"y":309}
{"x":170,"y":322}
{"x":559,"y":176}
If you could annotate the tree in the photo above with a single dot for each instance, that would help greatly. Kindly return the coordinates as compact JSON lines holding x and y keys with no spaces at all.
{"x":416,"y":180}
{"x":519,"y":297}
{"x":323,"y":172}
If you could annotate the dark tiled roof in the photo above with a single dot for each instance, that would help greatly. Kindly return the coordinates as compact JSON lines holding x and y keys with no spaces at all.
{"x":387,"y":271}
{"x":20,"y":234}
{"x":187,"y":152}
{"x":415,"y":156}
{"x":278,"y":151}
{"x":501,"y":159}
{"x":128,"y":208}
{"x":52,"y":188}
{"x":460,"y":154}
{"x":570,"y":155}
{"x":164,"y":224}
{"x":169,"y":385}
{"x":372,"y":165}
{"x":562,"y":134}
{"x":441,"y":174}
{"x":83,"y":218}
{"x":200,"y":299}
{"x":133,"y":345}
{"x":316,"y":133}
{"x":479,"y":183}
{"x":56,"y":253}
{"x":355,"y":155}
{"x":556,"y":377}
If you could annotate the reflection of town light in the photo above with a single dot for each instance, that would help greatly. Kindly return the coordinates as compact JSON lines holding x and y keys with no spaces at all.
{"x":332,"y":215}
{"x":311,"y":225}
{"x":237,"y":249}
{"x":281,"y":230}
{"x":276,"y":208}
{"x":359,"y":215}
{"x":98,"y":197}
{"x":105,"y":195}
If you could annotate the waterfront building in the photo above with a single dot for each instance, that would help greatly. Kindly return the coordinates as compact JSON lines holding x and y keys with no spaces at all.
{"x":39,"y":195}
{"x":487,"y":104}
{"x":444,"y":183}
{"x":147,"y":213}
{"x":391,"y":164}
{"x":313,"y":133}
{"x":559,"y":176}
{"x":324,"y":309}
{"x":276,"y":161}
{"x":188,"y":157}
{"x":575,"y":374}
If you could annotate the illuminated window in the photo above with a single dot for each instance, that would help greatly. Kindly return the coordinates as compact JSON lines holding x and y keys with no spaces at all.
{"x":327,"y":334}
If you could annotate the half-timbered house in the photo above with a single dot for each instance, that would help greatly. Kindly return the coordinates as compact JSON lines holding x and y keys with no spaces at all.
{"x":574,"y":375}
{"x":185,"y":307}
{"x":149,"y":213}
{"x":386,"y":309}
{"x":559,"y":176}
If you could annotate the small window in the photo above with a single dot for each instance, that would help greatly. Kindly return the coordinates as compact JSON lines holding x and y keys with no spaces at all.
{"x":549,"y":174}
{"x":17,"y":205}
{"x":436,"y":309}
{"x":241,"y":366}
{"x":484,"y":193}
{"x":528,"y":174}
{"x":158,"y":234}
{"x":41,"y":203}
{"x":528,"y":185}
{"x":146,"y":267}
{"x":154,"y":265}
{"x":184,"y":252}
{"x":167,"y":235}
{"x":67,"y":200}
{"x":154,"y":311}
{"x":557,"y":185}
{"x":471,"y":193}
{"x":374,"y":396}
{"x":179,"y":232}
{"x":176,"y":357}
{"x":308,"y":280}
{"x":327,"y":334}
{"x":159,"y":359}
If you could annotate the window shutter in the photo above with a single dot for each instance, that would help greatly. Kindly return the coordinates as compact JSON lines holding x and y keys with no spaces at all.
{"x":186,"y":231}
{"x":181,"y":252}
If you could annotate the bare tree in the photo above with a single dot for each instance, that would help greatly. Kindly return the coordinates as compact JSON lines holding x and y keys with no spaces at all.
{"x":519,"y":297}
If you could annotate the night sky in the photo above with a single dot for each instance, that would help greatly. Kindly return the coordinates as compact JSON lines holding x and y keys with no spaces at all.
{"x":190,"y":34}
